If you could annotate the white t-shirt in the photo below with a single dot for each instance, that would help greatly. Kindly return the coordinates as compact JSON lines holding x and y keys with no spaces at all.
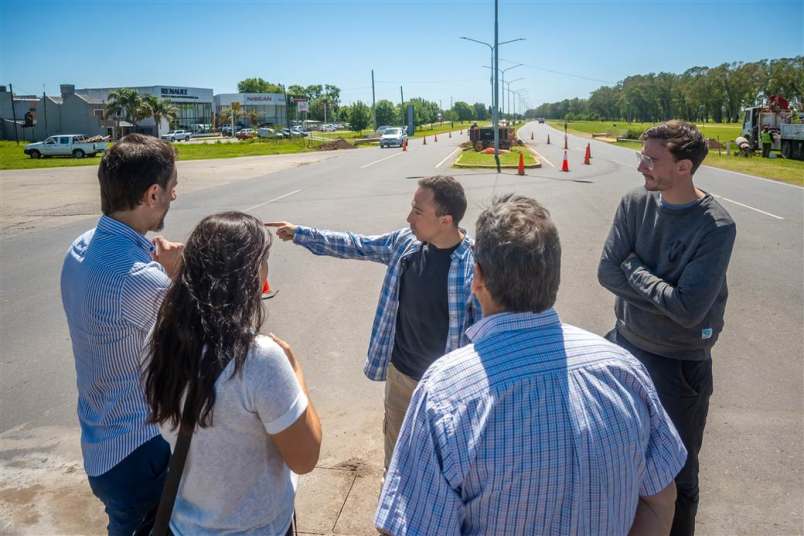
{"x":235,"y":480}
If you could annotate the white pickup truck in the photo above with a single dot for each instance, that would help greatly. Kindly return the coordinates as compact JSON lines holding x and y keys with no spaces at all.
{"x":177,"y":135}
{"x":75,"y":145}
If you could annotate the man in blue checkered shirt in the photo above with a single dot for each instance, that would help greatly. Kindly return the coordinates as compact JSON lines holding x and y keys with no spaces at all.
{"x":536,"y":427}
{"x":426,"y":301}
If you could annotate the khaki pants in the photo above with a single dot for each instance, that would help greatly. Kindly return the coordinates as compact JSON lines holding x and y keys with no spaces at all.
{"x":398,"y":390}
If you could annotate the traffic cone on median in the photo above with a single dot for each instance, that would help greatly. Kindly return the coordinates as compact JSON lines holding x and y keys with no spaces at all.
{"x":565,"y":164}
{"x":588,"y":155}
{"x":267,"y":293}
{"x":521,"y":168}
{"x":405,"y":145}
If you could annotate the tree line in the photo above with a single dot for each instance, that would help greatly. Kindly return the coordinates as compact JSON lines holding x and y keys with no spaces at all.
{"x":700,"y":94}
{"x":324,"y":104}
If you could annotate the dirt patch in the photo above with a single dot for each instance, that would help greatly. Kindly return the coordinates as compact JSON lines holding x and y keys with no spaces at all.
{"x":43,"y":488}
{"x":334,"y":145}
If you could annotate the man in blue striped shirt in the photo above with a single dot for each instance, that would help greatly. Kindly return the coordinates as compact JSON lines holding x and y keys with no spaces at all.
{"x":112,"y":284}
{"x":537,"y":427}
{"x":426,"y":301}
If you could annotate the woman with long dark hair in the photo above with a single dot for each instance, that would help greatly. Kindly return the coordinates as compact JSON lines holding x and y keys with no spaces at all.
{"x":243,"y":392}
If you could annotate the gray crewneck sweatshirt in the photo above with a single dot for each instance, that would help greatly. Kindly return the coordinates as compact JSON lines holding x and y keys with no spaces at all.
{"x":667,"y":268}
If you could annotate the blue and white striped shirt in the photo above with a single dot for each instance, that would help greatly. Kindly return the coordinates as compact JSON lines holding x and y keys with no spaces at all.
{"x":393,"y":250}
{"x":111,"y":291}
{"x":535,"y":428}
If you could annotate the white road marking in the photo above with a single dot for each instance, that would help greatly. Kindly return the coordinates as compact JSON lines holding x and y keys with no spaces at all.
{"x":541,"y":158}
{"x":249,"y":209}
{"x":380,"y":160}
{"x":748,"y":207}
{"x":448,"y":157}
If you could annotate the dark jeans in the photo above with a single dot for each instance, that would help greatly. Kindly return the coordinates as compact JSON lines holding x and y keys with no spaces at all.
{"x":131,"y":489}
{"x":766,"y":148}
{"x":684,"y":388}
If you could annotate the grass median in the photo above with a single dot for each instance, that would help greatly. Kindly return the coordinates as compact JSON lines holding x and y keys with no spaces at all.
{"x":789,"y":171}
{"x":509,"y":159}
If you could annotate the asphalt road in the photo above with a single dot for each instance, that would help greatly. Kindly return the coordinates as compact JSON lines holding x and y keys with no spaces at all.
{"x":751,"y":459}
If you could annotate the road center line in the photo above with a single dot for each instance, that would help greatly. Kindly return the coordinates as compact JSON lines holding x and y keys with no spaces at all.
{"x":448,"y":157}
{"x":380,"y":160}
{"x":748,"y":207}
{"x":249,"y":209}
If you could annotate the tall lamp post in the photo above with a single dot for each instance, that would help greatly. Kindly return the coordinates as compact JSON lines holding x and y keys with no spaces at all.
{"x":509,"y":90}
{"x":494,"y":86}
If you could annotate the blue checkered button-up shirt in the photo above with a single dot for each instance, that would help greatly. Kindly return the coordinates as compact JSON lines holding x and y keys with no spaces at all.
{"x":393,"y":249}
{"x":535,"y":428}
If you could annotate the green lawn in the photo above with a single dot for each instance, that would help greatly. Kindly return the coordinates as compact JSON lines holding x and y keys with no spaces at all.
{"x":472,"y":158}
{"x":721,"y":131}
{"x":12,"y":157}
{"x":790,"y":171}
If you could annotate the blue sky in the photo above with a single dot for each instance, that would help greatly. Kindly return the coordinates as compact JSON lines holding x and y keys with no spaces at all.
{"x":571,"y":48}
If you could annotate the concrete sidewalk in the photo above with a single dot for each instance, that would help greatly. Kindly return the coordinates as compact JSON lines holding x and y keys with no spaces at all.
{"x":44,"y":490}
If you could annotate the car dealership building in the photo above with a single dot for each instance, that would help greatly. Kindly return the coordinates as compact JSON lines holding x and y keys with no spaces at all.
{"x":81,"y":111}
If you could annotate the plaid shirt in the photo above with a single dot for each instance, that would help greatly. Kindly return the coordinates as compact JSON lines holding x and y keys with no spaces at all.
{"x":535,"y":428}
{"x":393,"y":250}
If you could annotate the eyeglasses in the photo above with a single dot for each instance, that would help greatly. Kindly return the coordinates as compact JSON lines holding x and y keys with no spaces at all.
{"x":645,"y":160}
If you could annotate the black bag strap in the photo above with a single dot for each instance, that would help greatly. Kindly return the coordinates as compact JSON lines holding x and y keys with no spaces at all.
{"x":175,"y":469}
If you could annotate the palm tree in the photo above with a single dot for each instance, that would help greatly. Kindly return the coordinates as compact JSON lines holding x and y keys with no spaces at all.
{"x":160,"y":108}
{"x":127,"y":102}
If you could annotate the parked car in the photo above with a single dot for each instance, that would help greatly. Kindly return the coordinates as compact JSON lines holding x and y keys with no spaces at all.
{"x":393,"y":136}
{"x":246,"y":133}
{"x":75,"y":145}
{"x":177,"y":135}
{"x":265,"y":132}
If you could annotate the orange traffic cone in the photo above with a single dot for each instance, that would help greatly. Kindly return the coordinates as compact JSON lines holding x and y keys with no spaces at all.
{"x":435,"y":137}
{"x":425,"y":141}
{"x":565,"y":164}
{"x":548,"y":139}
{"x":405,"y":145}
{"x":521,"y":168}
{"x":267,"y":293}
{"x":588,"y":155}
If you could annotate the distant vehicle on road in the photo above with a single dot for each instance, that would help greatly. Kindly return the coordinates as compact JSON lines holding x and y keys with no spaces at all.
{"x":177,"y":135}
{"x":540,"y":119}
{"x":393,"y":136}
{"x":75,"y":145}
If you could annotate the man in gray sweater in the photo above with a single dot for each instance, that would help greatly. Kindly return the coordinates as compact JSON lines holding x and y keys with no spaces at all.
{"x":665,"y":260}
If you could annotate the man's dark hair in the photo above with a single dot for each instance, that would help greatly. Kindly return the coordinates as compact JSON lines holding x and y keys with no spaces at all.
{"x":682,"y":139}
{"x":130,"y":167}
{"x":519,"y":254}
{"x":448,"y":194}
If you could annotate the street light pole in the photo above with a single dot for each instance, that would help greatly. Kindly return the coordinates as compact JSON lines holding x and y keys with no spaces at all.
{"x":494,"y":84}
